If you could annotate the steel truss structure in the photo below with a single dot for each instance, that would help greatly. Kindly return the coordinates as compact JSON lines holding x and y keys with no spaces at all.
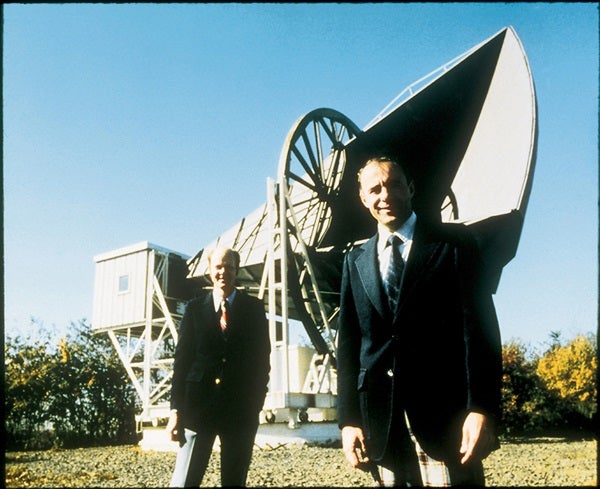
{"x":145,"y":342}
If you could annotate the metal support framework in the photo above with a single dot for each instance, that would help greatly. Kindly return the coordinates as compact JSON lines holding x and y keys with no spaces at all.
{"x":283,"y":221}
{"x":146,"y":350}
{"x":299,"y":214}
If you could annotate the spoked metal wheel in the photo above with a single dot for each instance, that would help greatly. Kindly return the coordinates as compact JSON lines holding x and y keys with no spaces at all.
{"x":449,"y":210}
{"x":312,"y":163}
{"x":311,"y":167}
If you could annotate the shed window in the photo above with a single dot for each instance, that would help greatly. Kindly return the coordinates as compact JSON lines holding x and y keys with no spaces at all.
{"x":124,"y":283}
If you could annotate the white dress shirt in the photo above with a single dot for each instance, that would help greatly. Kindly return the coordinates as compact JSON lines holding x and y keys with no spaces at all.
{"x":217,"y":299}
{"x":405,"y":232}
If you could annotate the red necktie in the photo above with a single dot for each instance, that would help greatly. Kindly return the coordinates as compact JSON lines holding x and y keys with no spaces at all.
{"x":223,"y":320}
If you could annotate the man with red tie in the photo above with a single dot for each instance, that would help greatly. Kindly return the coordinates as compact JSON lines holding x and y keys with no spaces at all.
{"x":220,"y":377}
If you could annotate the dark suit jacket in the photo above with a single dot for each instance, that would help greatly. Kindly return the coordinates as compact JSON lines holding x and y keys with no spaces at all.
{"x":437,"y":356}
{"x":221,"y":377}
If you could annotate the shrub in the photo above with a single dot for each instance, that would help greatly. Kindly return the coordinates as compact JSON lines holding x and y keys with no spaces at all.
{"x":569,"y":375}
{"x":552,"y":394}
{"x":523,"y":397}
{"x":74,"y":393}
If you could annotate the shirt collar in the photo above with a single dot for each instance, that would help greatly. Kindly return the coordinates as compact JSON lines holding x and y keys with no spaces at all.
{"x":405,"y":232}
{"x":217,"y":298}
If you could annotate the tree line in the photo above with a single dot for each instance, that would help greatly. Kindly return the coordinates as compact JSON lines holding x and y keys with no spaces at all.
{"x":69,"y":393}
{"x":553,"y":392}
{"x":74,"y":391}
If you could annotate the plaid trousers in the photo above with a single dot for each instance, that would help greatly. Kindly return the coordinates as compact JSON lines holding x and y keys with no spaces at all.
{"x":434,"y":473}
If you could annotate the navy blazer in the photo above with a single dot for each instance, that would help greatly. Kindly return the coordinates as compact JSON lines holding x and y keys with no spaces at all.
{"x":221,"y":376}
{"x":437,"y":356}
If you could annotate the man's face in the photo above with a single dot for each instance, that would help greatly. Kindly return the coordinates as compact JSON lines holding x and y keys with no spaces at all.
{"x":387,"y":194}
{"x":223,"y":271}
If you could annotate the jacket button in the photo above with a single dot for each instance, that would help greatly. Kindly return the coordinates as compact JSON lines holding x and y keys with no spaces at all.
{"x":217,"y":381}
{"x":223,"y":360}
{"x":390,"y":373}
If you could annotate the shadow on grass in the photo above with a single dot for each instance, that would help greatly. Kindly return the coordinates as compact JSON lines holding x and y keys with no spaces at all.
{"x":549,"y":437}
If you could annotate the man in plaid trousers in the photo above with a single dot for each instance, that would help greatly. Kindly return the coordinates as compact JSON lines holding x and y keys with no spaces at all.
{"x":419,"y":352}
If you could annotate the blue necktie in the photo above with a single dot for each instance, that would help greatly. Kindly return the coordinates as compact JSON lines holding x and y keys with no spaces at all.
{"x":393,"y":276}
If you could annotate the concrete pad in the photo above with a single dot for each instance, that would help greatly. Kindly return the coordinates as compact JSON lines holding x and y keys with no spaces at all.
{"x":277,"y":435}
{"x":268,"y":437}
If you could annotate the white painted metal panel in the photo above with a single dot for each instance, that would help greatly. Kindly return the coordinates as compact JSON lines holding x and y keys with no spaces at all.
{"x":286,"y":382}
{"x":493,"y":175}
{"x":113,"y":307}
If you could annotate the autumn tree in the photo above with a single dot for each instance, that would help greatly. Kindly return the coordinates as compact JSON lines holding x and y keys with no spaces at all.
{"x":551,"y":393}
{"x":75,"y":388}
{"x":28,"y":364}
{"x":524,"y":403}
{"x":94,"y":400}
{"x":569,"y":371}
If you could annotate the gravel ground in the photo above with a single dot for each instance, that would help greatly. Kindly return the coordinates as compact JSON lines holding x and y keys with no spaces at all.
{"x":532,"y":462}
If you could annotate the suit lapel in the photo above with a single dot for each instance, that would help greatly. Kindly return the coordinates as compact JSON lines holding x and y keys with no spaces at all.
{"x":233,"y":309}
{"x":422,"y":253}
{"x":208,"y":300}
{"x":211,"y":317}
{"x":368,"y":271}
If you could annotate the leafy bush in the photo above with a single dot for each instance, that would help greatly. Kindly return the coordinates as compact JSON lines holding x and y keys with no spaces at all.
{"x":551,"y":393}
{"x":523,"y":396}
{"x":569,"y":371}
{"x":74,"y":393}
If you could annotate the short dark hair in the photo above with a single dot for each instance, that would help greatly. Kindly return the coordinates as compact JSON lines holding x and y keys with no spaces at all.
{"x":385,"y":159}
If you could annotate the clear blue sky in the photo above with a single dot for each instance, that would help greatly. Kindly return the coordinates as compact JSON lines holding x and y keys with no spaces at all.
{"x":161,"y":123}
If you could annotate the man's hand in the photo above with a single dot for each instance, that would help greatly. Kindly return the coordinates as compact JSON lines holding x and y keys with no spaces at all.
{"x":173,"y":426}
{"x":478,"y":438}
{"x":353,"y":445}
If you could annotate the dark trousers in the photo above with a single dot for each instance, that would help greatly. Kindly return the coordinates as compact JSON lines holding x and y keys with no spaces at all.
{"x":237,"y":444}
